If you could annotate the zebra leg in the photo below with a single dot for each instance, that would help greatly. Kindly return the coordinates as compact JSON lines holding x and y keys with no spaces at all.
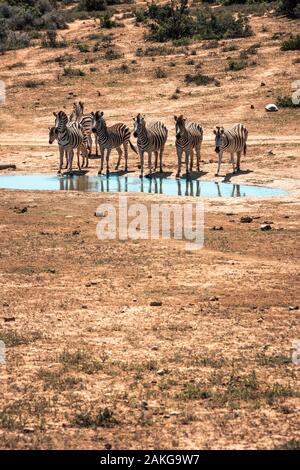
{"x":96,"y":144}
{"x":67,"y":161}
{"x":187,"y":157}
{"x":142,"y":163}
{"x":198,"y":158}
{"x":107,"y":160}
{"x":179,"y":157}
{"x":101,"y":160}
{"x":219,"y":163}
{"x":90,"y":144}
{"x":125,"y":145}
{"x":232,"y":162}
{"x":78,"y":159}
{"x":155,"y":160}
{"x":61,"y":159}
{"x":71,"y":154}
{"x":238,"y":162}
{"x":120,"y":153}
{"x":149,"y":163}
{"x":192,"y":159}
{"x":161,"y":160}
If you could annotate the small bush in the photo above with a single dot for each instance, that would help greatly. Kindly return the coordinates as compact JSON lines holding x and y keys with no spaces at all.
{"x":234,"y":65}
{"x":72,"y":72}
{"x":111,"y":54}
{"x":286,"y":102}
{"x":290,"y":8}
{"x":200,"y":79}
{"x":33,"y":83}
{"x":84,"y":48}
{"x":49,"y":40}
{"x":291,"y":44}
{"x":160,"y":73}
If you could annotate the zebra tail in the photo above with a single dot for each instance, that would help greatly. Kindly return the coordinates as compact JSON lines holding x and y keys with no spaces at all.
{"x":245,"y":149}
{"x":133,"y":147}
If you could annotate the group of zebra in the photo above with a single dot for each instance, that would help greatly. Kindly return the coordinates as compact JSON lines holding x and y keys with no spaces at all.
{"x":76,"y":132}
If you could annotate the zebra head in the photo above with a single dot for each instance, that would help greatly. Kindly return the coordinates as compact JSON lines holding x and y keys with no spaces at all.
{"x":52,"y":135}
{"x":61,"y":121}
{"x":77,"y":112}
{"x":179,"y":126}
{"x":98,"y":121}
{"x":219,"y":131}
{"x":138,"y":125}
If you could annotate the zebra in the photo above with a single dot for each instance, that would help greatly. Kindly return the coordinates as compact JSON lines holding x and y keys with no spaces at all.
{"x":189,"y":136}
{"x":150,"y":138}
{"x":69,"y":136}
{"x":52,"y":138}
{"x":86,"y":121}
{"x":112,"y":137}
{"x":233,"y":140}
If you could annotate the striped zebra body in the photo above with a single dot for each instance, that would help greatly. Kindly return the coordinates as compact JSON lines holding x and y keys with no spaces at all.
{"x":232,"y":140}
{"x":150,"y":138}
{"x":189,"y":137}
{"x":87,"y":123}
{"x":69,"y":137}
{"x":112,"y":137}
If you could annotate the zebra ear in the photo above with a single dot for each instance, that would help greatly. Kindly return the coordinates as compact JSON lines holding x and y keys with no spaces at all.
{"x":175,"y":118}
{"x":215,"y":132}
{"x":54,"y":113}
{"x":222,"y":131}
{"x":102,"y":113}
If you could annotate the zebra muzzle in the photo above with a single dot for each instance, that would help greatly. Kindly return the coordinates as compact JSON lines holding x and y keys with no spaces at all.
{"x":135,"y":134}
{"x":217,"y":149}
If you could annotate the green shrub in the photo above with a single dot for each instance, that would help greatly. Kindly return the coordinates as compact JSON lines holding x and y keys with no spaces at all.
{"x":290,"y":8}
{"x":235,"y":65}
{"x":111,"y":54}
{"x":291,"y":44}
{"x":83,"y":48}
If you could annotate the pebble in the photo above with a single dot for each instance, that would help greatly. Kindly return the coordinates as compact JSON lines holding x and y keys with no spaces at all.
{"x":294,"y":307}
{"x":216,"y":227}
{"x":214,"y":298}
{"x":8,"y":319}
{"x":161,"y":372}
{"x":28,"y":429}
{"x":265,"y":227}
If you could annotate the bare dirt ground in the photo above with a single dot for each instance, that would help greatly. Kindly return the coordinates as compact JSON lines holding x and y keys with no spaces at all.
{"x":90,"y":363}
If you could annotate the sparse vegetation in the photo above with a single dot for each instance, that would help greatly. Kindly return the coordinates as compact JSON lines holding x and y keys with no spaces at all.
{"x":291,"y":44}
{"x":33,"y":83}
{"x":200,"y":79}
{"x":94,"y":418}
{"x":234,"y":65}
{"x":160,"y":73}
{"x":285,"y":101}
{"x":73,"y":72}
{"x":13,"y":338}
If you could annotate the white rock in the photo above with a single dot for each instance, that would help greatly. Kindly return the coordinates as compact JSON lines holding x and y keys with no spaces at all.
{"x":271,"y":108}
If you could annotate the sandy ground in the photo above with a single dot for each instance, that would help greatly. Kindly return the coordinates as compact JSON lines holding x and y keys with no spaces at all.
{"x":90,"y":363}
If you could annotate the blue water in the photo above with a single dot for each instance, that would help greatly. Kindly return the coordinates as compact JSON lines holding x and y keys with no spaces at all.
{"x":133,"y":184}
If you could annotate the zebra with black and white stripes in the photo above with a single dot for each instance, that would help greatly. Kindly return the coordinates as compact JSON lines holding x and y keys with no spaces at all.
{"x":189,"y":137}
{"x":112,"y":137}
{"x":69,"y":137}
{"x":150,"y":138}
{"x":232,"y":140}
{"x":87,"y":123}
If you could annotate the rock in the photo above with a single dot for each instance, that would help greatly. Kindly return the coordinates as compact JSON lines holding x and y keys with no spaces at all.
{"x":161,"y":372}
{"x":177,"y":90}
{"x":271,"y":108}
{"x":76,"y":232}
{"x":265,"y":227}
{"x":216,"y":227}
{"x":5,"y":304}
{"x":52,"y":271}
{"x":268,"y":222}
{"x":214,"y":298}
{"x":252,"y":106}
{"x":28,"y":429}
{"x":154,"y":348}
{"x":84,"y":307}
{"x":156,"y":303}
{"x":294,"y":307}
{"x":262,"y":84}
{"x":246,"y":219}
{"x":271,"y":153}
{"x":99,"y":214}
{"x":145,"y":405}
